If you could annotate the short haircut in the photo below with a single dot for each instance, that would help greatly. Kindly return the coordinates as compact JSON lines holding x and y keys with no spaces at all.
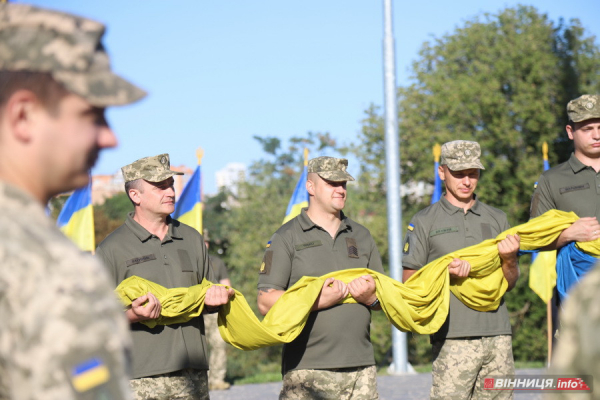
{"x":47,"y":89}
{"x":135,"y":184}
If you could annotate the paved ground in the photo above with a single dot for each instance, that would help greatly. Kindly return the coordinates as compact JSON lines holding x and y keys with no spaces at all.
{"x":392,"y":387}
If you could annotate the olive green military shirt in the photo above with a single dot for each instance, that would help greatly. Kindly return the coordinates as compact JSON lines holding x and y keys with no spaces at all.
{"x":337,"y":337}
{"x":218,"y":268}
{"x":179,"y":260}
{"x":443,"y":228}
{"x":570,"y":186}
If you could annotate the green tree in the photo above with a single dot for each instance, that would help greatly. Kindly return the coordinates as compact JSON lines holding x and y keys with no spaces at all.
{"x":503,"y":80}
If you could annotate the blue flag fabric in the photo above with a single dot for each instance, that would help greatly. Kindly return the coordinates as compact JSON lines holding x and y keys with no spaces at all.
{"x":571,"y":265}
{"x":76,"y":219}
{"x":188,"y":208}
{"x":299,"y":199}
{"x":437,"y":184}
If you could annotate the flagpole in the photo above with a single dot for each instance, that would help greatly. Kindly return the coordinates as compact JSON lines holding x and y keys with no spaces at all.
{"x":199,"y":155}
{"x":392,"y":157}
{"x":549,"y":302}
{"x":305,"y":157}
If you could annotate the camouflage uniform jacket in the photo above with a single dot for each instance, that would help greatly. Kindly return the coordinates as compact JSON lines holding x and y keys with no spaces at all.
{"x":578,"y":349}
{"x":63,"y":334}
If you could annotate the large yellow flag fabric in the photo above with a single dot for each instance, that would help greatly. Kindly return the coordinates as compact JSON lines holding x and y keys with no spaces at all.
{"x":419,"y":305}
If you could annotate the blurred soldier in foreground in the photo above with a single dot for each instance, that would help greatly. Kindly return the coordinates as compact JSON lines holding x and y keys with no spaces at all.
{"x":169,"y":361}
{"x":578,"y":350}
{"x":471,"y":344}
{"x":218,"y":355}
{"x":63,"y":335}
{"x":333,"y":356}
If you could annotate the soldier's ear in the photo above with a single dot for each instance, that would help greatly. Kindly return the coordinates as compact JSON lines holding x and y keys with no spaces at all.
{"x":310,"y":187}
{"x":134,"y":195}
{"x":20,"y":114}
{"x":441,"y":172}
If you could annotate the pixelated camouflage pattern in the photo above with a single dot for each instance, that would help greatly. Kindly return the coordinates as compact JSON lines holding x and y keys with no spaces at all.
{"x":217,"y":353}
{"x":460,"y":367}
{"x":330,"y":168}
{"x":578,"y":348}
{"x":189,"y":384}
{"x":66,"y":46}
{"x":335,"y":384}
{"x":460,"y":155}
{"x":584,"y":107}
{"x":58,"y":309}
{"x":151,"y":169}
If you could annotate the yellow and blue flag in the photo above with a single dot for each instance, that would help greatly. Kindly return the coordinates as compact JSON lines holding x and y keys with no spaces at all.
{"x":299,"y":199}
{"x":437,"y":181}
{"x":76,"y":219}
{"x":188,"y":208}
{"x":542,"y":272}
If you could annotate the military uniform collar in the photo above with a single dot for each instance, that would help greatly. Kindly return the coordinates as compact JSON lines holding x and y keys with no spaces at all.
{"x":306,"y":223}
{"x":576,"y":165}
{"x":452,"y":209}
{"x":143,"y":234}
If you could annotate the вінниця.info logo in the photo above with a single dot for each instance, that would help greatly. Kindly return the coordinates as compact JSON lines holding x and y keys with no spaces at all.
{"x":533,"y":383}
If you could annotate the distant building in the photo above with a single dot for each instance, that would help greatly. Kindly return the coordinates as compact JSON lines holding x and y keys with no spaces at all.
{"x":106,"y":186}
{"x":230,"y":176}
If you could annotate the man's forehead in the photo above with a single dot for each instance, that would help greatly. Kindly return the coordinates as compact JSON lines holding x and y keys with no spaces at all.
{"x":593,"y":121}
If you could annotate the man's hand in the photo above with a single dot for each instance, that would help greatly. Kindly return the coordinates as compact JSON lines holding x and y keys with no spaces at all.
{"x":143,"y":308}
{"x":217,"y":296}
{"x":363,"y":290}
{"x":583,"y":230}
{"x":459,"y":268}
{"x":507,"y":250}
{"x":509,"y":247}
{"x":333,"y":292}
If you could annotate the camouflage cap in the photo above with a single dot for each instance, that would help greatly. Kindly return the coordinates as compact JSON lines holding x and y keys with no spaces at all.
{"x":460,"y":155}
{"x":67,"y":47}
{"x":151,"y":169}
{"x":584,"y":107}
{"x":331,"y":169}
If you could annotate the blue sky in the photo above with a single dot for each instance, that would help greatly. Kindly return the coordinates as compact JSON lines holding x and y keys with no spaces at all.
{"x":220,"y":72}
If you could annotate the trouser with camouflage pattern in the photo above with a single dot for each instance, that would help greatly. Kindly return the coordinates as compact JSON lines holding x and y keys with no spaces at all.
{"x":461,"y":365}
{"x":187,"y":384}
{"x":217,"y":355}
{"x":339,"y":384}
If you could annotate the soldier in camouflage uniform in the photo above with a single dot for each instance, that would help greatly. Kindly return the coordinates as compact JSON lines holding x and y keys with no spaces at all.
{"x":578,"y":350}
{"x":471,"y":344}
{"x":333,"y":357}
{"x":218,"y":355}
{"x":168,"y":361}
{"x":63,"y":335}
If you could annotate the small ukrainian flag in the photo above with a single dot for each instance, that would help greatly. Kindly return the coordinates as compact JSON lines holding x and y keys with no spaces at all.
{"x":89,"y":374}
{"x":411,"y":227}
{"x":269,"y":244}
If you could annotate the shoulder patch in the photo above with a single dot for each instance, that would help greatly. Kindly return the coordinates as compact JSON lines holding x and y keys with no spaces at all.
{"x":268,"y":244}
{"x":265,"y":266}
{"x":411,"y":227}
{"x":89,"y":374}
{"x":314,"y":243}
{"x":442,"y":231}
